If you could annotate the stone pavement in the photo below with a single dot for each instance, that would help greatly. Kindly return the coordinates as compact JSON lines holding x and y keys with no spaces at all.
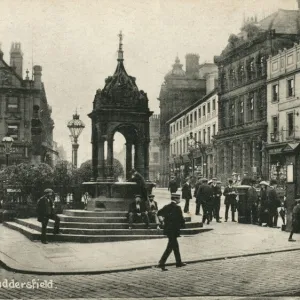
{"x":224,"y":241}
{"x":257,"y":276}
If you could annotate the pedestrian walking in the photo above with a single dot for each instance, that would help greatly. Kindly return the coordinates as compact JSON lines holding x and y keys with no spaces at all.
{"x":230,"y":200}
{"x":216,"y":197}
{"x":173,"y":186}
{"x":45,"y":212}
{"x":187,"y":194}
{"x":273,"y":204}
{"x":198,"y":203}
{"x":172,"y":219}
{"x":263,"y":205}
{"x":204,"y":195}
{"x":295,"y":220}
{"x":252,"y":203}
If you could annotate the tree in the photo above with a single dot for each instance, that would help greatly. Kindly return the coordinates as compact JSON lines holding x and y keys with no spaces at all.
{"x":85,"y":172}
{"x":63,"y":176}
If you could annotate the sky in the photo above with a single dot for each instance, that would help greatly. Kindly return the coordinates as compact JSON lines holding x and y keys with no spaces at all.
{"x":76,"y":42}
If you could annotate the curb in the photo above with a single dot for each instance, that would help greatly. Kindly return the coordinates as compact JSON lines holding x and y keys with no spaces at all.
{"x":6,"y":267}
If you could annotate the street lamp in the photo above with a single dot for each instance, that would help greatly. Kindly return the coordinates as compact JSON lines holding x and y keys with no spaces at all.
{"x":7,"y":141}
{"x":75,"y":126}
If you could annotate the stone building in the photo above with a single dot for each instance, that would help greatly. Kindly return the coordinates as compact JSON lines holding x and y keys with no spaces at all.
{"x":242,"y":134}
{"x":24,"y":111}
{"x":179,"y":90}
{"x":154,"y":163}
{"x":201,"y":121}
{"x":283,"y":90}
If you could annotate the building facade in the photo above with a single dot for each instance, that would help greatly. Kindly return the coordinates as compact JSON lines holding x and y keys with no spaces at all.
{"x":242,"y":135}
{"x":200,"y":120}
{"x":25,"y":114}
{"x":180,"y":90}
{"x":154,"y":157}
{"x":283,"y":92}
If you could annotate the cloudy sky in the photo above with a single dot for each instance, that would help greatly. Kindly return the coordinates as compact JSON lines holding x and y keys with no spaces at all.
{"x":75,"y":42}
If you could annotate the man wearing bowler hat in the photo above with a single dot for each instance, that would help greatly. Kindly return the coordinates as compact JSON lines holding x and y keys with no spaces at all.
{"x":137,"y":212}
{"x":45,"y":212}
{"x":172,"y":218}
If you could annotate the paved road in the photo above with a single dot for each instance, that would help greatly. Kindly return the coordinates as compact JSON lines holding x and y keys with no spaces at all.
{"x":268,"y":275}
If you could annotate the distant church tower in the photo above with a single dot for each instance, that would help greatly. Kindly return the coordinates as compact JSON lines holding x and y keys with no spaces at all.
{"x":16,"y":58}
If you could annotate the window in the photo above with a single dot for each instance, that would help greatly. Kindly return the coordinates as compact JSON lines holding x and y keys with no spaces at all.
{"x":241,"y":112}
{"x":290,"y":124}
{"x":155,"y":157}
{"x":275,"y":124}
{"x":251,"y":70}
{"x":177,"y":126}
{"x":241,"y":74}
{"x":180,"y":125}
{"x":208,"y":107}
{"x":177,"y":148}
{"x":183,"y":142}
{"x":290,"y":85}
{"x":203,"y":110}
{"x":250,"y":108}
{"x":199,"y":112}
{"x":191,"y":118}
{"x":187,"y":120}
{"x":214,"y":130}
{"x":13,"y":131}
{"x":183,"y":122}
{"x":204,"y":137}
{"x":208,"y":135}
{"x":195,"y":136}
{"x":275,"y":95}
{"x":12,"y":104}
{"x":195,"y":116}
{"x":214,"y":104}
{"x":180,"y":146}
{"x":231,"y":114}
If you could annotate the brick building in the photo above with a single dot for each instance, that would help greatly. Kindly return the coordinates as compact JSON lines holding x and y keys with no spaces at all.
{"x":24,"y":111}
{"x":242,"y":134}
{"x":180,"y":90}
{"x":283,"y":110}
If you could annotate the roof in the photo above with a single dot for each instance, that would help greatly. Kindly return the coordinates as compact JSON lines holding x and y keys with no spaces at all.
{"x":195,"y":104}
{"x":177,"y":70}
{"x":282,"y":21}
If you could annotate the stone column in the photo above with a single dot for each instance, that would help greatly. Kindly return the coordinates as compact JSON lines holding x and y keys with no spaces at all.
{"x":94,"y":153}
{"x":128,"y":159}
{"x":110,"y":159}
{"x":101,"y":175}
{"x":146,"y":160}
{"x":244,"y":157}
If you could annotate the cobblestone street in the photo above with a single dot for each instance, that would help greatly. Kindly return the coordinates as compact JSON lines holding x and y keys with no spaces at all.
{"x":263,"y":275}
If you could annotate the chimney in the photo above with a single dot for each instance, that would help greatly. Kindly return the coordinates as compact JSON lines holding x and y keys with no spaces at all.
{"x":16,"y":58}
{"x":192,"y":65}
{"x":37,"y":75}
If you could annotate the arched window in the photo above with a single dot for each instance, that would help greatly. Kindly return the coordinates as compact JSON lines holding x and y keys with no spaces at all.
{"x":232,"y":78}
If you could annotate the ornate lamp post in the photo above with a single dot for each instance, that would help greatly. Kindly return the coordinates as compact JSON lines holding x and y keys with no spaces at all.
{"x":75,"y":126}
{"x":7,"y":141}
{"x":193,"y":146}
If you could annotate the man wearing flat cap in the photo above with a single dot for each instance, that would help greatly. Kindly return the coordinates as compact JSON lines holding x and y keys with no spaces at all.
{"x":173,"y":220}
{"x":137,"y":212}
{"x":45,"y":212}
{"x":153,"y":209}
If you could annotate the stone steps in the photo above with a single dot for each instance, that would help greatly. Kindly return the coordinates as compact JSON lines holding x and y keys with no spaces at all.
{"x":96,"y":226}
{"x":35,"y":235}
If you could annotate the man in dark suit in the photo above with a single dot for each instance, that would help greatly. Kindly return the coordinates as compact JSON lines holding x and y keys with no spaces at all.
{"x":141,"y":183}
{"x":153,"y":209}
{"x":216,"y":196}
{"x":187,"y":194}
{"x":137,"y":212}
{"x":45,"y":212}
{"x":204,"y":195}
{"x":230,"y":200}
{"x":173,"y":221}
{"x":198,"y":203}
{"x":173,"y":186}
